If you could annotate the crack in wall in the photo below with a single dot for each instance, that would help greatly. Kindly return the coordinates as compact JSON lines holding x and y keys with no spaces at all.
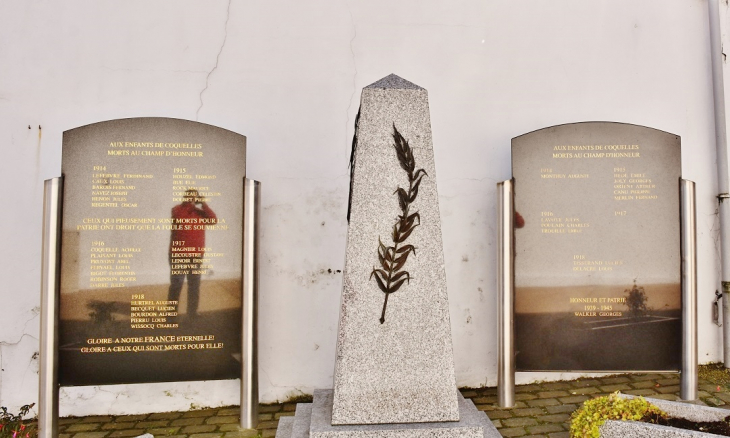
{"x":77,"y":393}
{"x":217,"y":60}
{"x":28,"y":367}
{"x":10,"y":344}
{"x":35,"y":311}
{"x":116,"y":395}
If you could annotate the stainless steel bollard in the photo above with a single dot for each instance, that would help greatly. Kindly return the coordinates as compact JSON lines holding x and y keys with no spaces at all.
{"x":688,"y":382}
{"x":249,"y":304}
{"x":505,"y":257}
{"x":50,"y":284}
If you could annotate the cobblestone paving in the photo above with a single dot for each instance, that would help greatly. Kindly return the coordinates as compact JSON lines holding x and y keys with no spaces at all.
{"x":541,"y":410}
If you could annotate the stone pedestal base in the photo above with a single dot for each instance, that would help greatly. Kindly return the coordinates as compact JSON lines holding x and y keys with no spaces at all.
{"x":314,"y":420}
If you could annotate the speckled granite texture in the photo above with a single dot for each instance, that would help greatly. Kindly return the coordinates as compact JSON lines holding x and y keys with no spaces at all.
{"x":633,"y":429}
{"x":314,"y":420}
{"x":689,"y":411}
{"x":692,"y":412}
{"x":298,"y":425}
{"x":401,"y":371}
{"x":302,"y":420}
{"x":284,"y":428}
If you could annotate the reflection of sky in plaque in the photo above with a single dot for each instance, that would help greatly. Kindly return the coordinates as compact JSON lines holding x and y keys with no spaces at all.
{"x":615,"y":241}
{"x":223,"y":157}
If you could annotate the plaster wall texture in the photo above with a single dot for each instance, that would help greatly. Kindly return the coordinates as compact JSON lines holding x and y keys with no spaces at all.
{"x":288,"y":76}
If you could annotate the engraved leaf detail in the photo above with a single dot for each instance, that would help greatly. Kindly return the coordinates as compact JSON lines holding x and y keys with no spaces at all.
{"x":390,"y":277}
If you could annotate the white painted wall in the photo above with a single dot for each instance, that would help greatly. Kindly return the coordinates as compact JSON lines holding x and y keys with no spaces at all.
{"x":288,"y":74}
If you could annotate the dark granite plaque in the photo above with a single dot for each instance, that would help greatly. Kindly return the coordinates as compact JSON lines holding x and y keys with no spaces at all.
{"x":597,"y":262}
{"x":151,"y":252}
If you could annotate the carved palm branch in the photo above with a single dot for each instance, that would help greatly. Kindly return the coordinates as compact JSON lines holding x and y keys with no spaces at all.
{"x":390,"y":276}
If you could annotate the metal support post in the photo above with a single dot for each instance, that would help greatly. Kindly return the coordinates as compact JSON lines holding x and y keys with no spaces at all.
{"x":249,"y":304}
{"x":688,"y":383}
{"x":723,"y":183}
{"x":50,"y":284}
{"x":505,"y":257}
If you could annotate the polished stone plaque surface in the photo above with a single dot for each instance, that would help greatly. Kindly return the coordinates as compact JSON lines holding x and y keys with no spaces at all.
{"x":151,"y":252}
{"x":597,"y":262}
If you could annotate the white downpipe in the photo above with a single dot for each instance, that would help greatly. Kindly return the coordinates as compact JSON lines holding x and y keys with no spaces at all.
{"x":722,"y":168}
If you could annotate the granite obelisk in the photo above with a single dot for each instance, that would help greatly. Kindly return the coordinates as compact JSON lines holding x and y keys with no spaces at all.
{"x":394,"y":360}
{"x":394,"y":367}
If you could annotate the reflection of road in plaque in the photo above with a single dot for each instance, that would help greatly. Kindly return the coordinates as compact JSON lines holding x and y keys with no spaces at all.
{"x":148,"y":295}
{"x":597,"y":268}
